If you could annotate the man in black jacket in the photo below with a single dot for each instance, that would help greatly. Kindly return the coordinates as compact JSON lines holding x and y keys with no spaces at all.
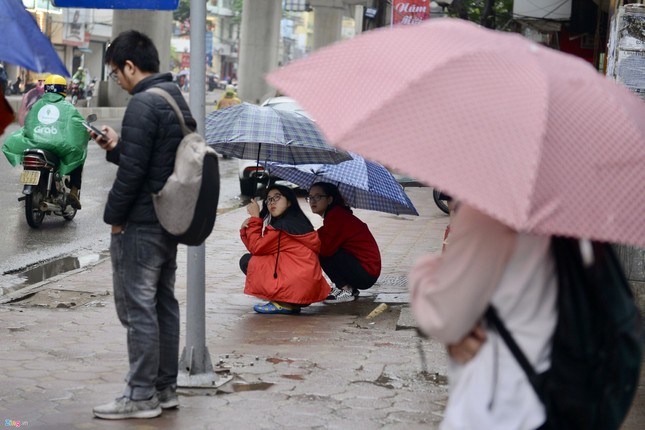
{"x":143,"y":254}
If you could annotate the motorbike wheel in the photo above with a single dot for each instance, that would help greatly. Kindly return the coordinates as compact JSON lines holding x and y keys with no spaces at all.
{"x":441,"y":204}
{"x":69,"y":213}
{"x":32,"y":209}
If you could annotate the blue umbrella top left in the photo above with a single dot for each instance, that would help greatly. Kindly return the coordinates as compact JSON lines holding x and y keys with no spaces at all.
{"x":23,"y":44}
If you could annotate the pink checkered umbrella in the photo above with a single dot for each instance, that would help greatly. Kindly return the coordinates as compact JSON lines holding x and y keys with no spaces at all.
{"x":531,"y":136}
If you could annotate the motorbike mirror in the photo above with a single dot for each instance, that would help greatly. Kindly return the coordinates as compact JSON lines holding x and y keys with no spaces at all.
{"x":91,"y":117}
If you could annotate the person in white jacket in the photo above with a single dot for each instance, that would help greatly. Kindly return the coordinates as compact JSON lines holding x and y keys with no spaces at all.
{"x":487,"y":262}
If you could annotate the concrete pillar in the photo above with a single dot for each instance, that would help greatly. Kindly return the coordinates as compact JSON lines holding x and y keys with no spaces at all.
{"x":155,"y":24}
{"x":259,"y":39}
{"x":359,"y":12}
{"x":328,"y":24}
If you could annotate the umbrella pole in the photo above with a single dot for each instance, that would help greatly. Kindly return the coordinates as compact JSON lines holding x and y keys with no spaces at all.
{"x":257,"y":168}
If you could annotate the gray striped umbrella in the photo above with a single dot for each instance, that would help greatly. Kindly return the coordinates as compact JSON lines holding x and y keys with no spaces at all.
{"x":253,"y":132}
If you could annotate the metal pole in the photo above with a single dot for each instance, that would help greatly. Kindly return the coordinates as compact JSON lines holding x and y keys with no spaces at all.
{"x":195,"y":366}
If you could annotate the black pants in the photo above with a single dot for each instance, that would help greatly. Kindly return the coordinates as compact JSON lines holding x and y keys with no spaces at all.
{"x":345,"y":269}
{"x":75,"y":177}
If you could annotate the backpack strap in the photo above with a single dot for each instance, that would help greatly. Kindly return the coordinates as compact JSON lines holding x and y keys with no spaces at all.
{"x":494,"y":320}
{"x":171,"y":101}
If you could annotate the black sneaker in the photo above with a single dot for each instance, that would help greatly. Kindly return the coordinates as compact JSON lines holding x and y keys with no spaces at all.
{"x":333,"y":293}
{"x":343,"y":297}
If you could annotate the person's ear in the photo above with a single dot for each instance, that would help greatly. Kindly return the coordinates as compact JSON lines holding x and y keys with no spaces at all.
{"x":129,"y":68}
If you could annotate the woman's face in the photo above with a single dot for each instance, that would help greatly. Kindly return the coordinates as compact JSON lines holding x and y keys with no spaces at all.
{"x":277,"y":203}
{"x":318,"y":200}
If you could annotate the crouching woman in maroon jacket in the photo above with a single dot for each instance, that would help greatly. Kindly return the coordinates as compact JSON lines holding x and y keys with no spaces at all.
{"x":283,"y":265}
{"x":349,"y":254}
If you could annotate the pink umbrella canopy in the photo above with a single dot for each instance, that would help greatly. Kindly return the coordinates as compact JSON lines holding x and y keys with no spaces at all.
{"x":533,"y":137}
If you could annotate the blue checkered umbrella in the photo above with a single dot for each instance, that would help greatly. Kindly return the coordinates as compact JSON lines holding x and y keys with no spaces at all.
{"x":253,"y":132}
{"x":363,"y":184}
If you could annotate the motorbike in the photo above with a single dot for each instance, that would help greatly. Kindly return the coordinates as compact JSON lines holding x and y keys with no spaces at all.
{"x":440,"y":200}
{"x":76,"y":91}
{"x":44,"y":191}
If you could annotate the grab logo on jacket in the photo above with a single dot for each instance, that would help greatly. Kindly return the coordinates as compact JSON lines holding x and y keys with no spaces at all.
{"x":47,"y":115}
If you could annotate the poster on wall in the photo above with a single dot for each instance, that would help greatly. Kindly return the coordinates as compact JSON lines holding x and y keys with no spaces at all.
{"x":410,"y":11}
{"x":74,"y":30}
{"x":626,"y":48}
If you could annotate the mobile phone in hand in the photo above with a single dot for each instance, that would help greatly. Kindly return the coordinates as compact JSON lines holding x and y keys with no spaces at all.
{"x":90,"y":127}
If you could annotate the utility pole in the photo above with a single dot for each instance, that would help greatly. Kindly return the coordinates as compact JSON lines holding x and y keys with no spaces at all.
{"x":195,"y":366}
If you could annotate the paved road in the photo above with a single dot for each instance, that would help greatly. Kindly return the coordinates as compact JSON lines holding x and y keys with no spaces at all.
{"x":84,"y":238}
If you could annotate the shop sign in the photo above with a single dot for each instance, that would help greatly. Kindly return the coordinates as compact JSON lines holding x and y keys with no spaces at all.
{"x":410,"y":11}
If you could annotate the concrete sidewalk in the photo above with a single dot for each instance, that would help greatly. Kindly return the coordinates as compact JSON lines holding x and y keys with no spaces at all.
{"x":330,"y":367}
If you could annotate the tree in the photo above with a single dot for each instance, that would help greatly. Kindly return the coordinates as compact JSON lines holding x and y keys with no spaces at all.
{"x":182,"y":13}
{"x":237,"y":10}
{"x":497,"y":14}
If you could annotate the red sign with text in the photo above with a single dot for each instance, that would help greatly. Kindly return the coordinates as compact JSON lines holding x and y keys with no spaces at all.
{"x":410,"y":11}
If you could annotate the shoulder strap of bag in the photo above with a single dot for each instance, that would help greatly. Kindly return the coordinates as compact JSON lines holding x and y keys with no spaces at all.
{"x":493,"y":319}
{"x":171,"y":101}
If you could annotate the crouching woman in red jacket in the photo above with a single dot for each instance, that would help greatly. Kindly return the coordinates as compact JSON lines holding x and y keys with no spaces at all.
{"x":283,"y":265}
{"x":349,"y":254}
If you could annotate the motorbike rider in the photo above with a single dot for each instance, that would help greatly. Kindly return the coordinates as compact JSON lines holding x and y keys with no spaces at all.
{"x":80,"y":77}
{"x":228,"y":99}
{"x":55,"y":125}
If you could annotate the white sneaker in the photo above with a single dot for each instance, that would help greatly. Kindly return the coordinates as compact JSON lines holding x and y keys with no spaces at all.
{"x":124,"y":408}
{"x":168,"y":398}
{"x":343,"y":297}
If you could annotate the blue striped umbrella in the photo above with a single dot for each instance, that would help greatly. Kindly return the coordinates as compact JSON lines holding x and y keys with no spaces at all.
{"x":253,"y":132}
{"x":363,"y":184}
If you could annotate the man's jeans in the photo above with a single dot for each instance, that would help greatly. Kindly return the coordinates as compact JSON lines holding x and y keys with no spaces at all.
{"x":144,"y":265}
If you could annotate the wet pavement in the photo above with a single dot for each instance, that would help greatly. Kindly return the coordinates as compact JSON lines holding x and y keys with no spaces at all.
{"x":330,"y":367}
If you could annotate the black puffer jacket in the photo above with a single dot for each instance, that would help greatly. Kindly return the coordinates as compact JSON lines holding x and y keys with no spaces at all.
{"x":146,"y":151}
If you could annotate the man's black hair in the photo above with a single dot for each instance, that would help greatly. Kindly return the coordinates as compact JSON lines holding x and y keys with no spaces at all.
{"x":136,"y":47}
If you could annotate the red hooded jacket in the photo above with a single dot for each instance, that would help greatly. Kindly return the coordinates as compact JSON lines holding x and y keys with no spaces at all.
{"x":293,"y":259}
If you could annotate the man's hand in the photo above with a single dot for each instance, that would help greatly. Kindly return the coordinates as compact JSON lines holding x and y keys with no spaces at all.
{"x":112,"y":138}
{"x":468,"y":347}
{"x":116,"y":229}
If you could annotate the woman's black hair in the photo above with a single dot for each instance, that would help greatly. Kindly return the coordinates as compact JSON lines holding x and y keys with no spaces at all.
{"x":332,"y":190}
{"x":293,"y":214}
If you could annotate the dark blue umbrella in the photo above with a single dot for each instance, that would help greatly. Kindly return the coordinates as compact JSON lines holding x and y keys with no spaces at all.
{"x":363,"y":184}
{"x":23,"y":44}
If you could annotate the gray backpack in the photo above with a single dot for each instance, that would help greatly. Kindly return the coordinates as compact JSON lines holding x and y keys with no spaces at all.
{"x":186,"y":206}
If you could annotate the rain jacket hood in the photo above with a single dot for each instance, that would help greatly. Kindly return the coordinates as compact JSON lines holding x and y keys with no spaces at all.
{"x":52,"y":124}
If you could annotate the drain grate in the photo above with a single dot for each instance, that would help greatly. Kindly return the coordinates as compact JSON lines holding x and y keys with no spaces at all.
{"x":393,"y":280}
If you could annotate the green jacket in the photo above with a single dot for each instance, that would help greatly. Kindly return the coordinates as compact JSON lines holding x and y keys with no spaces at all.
{"x":52,"y":124}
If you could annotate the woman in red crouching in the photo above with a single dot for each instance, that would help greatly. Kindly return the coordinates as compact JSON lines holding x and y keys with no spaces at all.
{"x":349,"y":254}
{"x":283,"y":265}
